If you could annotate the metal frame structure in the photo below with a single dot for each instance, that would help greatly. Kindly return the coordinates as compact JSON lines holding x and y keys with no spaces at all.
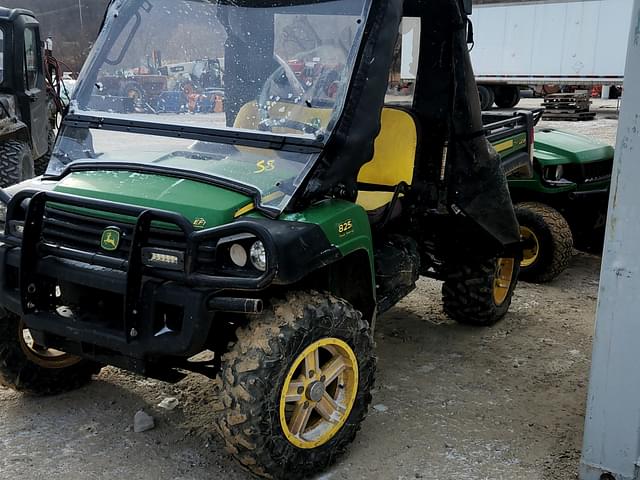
{"x":611,"y":449}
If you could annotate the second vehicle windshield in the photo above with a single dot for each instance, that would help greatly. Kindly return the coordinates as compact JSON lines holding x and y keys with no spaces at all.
{"x":281,"y":70}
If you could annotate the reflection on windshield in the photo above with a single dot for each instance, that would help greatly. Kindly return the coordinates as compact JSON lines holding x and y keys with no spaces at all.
{"x":283,"y":70}
{"x":275,"y":174}
{"x":1,"y":55}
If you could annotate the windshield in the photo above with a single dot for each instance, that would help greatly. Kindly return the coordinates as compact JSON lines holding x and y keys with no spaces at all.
{"x":281,"y":70}
{"x":271,"y":175}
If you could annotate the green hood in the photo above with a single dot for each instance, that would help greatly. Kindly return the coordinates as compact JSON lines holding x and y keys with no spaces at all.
{"x":555,"y":147}
{"x":203,"y":204}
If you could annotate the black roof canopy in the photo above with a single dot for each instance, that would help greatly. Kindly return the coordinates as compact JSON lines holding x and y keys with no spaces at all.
{"x":10,"y":14}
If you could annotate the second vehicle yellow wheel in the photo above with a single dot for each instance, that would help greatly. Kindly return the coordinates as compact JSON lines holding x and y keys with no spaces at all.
{"x":531,"y":247}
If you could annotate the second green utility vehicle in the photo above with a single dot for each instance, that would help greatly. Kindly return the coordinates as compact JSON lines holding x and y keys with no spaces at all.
{"x":564,"y":204}
{"x":257,"y":246}
{"x":562,"y":200}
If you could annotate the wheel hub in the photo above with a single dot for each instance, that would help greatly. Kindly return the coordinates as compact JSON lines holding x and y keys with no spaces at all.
{"x":319,"y":393}
{"x":531,"y":247}
{"x":316,"y":391}
{"x":502,"y":279}
{"x":43,"y":356}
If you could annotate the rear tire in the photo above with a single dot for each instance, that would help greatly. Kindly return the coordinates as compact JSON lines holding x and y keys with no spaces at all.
{"x":548,"y":242}
{"x":487,"y":97}
{"x":507,"y":96}
{"x":257,"y":421}
{"x":40,"y":165}
{"x":37,"y":371}
{"x":479,"y":293}
{"x":16,"y":162}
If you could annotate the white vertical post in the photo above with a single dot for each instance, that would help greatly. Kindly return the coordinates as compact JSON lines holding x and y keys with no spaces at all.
{"x":611,"y":448}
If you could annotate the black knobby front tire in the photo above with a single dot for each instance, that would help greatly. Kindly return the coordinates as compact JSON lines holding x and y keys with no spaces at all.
{"x":40,"y":165}
{"x":254,"y":373}
{"x":545,"y":230}
{"x":19,"y":371}
{"x":470,"y":292}
{"x":16,"y":162}
{"x":487,"y":97}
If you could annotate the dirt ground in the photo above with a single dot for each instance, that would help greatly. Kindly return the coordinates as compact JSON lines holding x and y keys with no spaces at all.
{"x":451,"y":402}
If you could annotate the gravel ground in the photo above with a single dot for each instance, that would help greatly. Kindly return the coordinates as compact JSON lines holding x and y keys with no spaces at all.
{"x":451,"y":402}
{"x":604,"y":127}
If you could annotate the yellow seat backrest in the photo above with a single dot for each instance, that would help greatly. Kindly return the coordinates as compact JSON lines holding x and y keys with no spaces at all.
{"x":393,"y":160}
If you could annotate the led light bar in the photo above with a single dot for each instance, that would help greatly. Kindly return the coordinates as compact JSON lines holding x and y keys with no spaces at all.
{"x":162,"y":258}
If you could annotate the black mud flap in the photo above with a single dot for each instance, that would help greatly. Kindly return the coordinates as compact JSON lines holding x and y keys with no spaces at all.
{"x":477,"y":184}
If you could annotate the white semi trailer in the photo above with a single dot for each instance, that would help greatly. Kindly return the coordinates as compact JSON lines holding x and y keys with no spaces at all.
{"x":521,"y":43}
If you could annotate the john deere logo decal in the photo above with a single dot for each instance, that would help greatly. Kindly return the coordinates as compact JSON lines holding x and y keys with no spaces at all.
{"x":110,"y":239}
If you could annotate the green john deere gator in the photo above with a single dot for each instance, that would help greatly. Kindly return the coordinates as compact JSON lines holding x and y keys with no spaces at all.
{"x":560,"y":202}
{"x":257,"y":246}
{"x":563,"y":203}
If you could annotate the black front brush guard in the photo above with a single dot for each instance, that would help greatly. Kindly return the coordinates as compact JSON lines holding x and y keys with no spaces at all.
{"x":37,"y":293}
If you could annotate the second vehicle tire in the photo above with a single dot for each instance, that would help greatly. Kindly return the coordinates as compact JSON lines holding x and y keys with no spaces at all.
{"x":16,"y":162}
{"x":547,"y":242}
{"x":40,"y":165}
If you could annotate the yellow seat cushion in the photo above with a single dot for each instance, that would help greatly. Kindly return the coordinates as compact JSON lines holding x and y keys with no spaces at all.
{"x":393,"y":159}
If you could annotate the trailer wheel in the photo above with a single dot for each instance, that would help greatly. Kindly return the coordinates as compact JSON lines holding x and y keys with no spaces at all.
{"x":480,"y":291}
{"x":296,"y":386}
{"x":548,"y":242}
{"x":29,"y":368}
{"x":487,"y":97}
{"x":16,"y":162}
{"x":507,"y":96}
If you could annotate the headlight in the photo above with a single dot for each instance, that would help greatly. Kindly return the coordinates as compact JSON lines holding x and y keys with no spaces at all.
{"x":238,"y":255}
{"x":554,"y":173}
{"x":258,"y":256}
{"x":241,"y":251}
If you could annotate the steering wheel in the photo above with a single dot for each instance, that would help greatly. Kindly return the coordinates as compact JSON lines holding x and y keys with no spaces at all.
{"x":266,"y":122}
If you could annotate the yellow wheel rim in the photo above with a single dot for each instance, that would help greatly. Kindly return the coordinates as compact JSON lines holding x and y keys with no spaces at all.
{"x":318,"y":393}
{"x":505,"y":268}
{"x":44,"y":357}
{"x":531,"y":248}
